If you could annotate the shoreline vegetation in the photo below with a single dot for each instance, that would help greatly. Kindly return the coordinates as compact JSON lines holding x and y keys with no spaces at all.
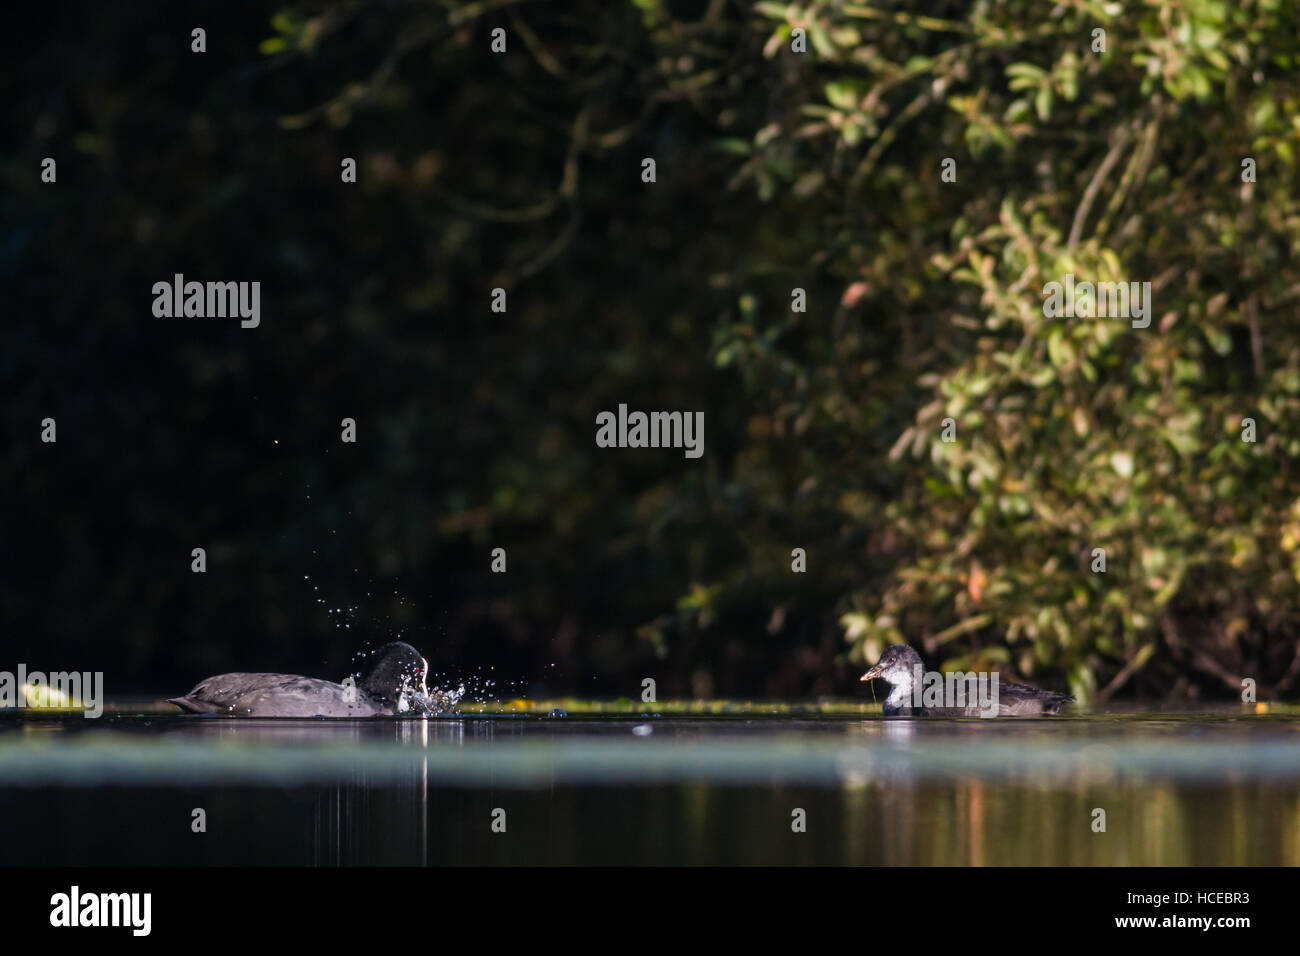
{"x":840,"y":260}
{"x":574,"y":707}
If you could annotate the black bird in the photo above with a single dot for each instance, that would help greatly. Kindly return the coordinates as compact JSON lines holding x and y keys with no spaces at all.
{"x":392,"y":683}
{"x":900,"y":666}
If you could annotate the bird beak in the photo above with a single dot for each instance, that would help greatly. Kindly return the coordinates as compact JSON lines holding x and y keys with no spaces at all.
{"x":872,"y":674}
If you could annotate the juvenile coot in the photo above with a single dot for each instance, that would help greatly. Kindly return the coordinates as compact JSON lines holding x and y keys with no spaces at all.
{"x":900,"y":667}
{"x":392,"y":682}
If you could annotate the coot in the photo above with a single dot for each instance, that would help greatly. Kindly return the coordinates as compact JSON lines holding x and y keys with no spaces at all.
{"x":901,"y":667}
{"x":392,"y":682}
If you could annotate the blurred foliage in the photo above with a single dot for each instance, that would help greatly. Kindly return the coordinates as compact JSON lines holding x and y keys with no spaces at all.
{"x":777,"y":170}
{"x":1075,"y":433}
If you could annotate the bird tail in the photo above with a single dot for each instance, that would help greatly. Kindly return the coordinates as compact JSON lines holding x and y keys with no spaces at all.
{"x":1058,"y":701}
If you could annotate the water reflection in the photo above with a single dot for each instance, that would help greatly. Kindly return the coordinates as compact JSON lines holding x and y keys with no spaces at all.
{"x":1175,"y":790}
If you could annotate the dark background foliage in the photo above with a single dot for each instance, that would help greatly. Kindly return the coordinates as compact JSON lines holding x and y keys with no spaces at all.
{"x":476,"y":429}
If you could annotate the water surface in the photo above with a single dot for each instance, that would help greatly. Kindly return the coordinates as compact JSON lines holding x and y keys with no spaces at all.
{"x":1176,"y":788}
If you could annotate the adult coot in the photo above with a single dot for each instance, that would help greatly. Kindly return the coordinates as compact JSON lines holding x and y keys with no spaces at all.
{"x":392,"y":682}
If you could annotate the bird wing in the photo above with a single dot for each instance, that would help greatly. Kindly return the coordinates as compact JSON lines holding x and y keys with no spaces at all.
{"x":274,"y":695}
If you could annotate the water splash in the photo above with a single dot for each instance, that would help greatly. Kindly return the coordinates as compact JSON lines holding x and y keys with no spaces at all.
{"x":445,"y":690}
{"x":437,"y":701}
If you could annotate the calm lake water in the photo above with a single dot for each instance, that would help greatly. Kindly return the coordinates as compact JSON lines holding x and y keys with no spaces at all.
{"x":1176,"y":789}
